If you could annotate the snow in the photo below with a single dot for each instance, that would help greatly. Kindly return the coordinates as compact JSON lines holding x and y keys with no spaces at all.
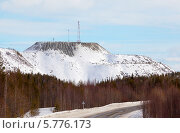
{"x":41,"y":112}
{"x":13,"y":60}
{"x":81,"y":113}
{"x":80,"y":62}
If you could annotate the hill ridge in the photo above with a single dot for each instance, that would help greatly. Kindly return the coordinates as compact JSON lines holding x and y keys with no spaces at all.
{"x":67,"y":48}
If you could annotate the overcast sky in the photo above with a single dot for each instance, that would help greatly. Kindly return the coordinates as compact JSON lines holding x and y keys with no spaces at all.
{"x":145,"y":27}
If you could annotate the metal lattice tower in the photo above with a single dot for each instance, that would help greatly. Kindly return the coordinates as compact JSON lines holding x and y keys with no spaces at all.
{"x":79,"y":33}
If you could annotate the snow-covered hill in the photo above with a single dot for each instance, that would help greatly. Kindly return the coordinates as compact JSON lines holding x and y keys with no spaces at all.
{"x":79,"y":62}
{"x":13,"y":60}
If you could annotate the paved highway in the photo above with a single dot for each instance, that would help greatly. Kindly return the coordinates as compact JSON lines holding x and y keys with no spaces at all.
{"x":117,"y":113}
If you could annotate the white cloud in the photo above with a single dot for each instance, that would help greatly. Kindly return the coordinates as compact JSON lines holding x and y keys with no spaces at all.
{"x":43,"y":7}
{"x":33,"y":29}
{"x":123,"y":12}
{"x":174,"y":59}
{"x":176,"y":67}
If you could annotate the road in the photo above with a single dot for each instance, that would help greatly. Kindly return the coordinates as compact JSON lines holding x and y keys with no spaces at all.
{"x":117,"y":113}
{"x":114,"y":110}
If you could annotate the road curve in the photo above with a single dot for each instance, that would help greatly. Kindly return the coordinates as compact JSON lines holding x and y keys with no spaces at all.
{"x":117,"y":113}
{"x":114,"y":110}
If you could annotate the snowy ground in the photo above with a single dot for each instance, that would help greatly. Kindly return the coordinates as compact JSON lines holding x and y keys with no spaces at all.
{"x":81,"y":113}
{"x":41,"y":112}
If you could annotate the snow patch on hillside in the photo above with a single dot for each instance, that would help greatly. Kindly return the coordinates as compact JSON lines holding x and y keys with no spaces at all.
{"x":13,"y":60}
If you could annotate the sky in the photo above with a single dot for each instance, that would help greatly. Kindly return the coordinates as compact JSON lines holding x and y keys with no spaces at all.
{"x":141,"y":27}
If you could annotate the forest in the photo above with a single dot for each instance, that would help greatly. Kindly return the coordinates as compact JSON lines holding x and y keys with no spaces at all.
{"x":20,"y":93}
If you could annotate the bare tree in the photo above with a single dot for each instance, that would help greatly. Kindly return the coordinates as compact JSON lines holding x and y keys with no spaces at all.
{"x":5,"y":96}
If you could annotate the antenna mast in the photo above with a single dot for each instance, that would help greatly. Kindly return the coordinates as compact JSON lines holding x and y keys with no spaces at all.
{"x":78,"y":35}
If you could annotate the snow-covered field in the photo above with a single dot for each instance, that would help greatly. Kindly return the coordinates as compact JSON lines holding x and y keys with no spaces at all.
{"x":40,"y":112}
{"x":81,"y":113}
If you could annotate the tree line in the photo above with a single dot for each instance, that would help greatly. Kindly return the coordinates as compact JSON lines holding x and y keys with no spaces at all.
{"x":20,"y":93}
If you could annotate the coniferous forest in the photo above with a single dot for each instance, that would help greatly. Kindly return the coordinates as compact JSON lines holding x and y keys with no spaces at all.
{"x":20,"y":93}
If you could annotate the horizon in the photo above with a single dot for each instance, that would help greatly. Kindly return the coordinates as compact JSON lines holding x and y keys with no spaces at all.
{"x":121,"y":27}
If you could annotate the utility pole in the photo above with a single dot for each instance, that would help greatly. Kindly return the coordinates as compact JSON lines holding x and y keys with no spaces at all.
{"x":79,"y":33}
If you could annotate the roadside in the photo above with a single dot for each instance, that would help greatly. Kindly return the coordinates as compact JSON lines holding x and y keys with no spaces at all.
{"x":83,"y":113}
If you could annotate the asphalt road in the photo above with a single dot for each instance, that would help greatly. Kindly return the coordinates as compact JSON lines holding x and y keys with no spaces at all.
{"x":117,"y":113}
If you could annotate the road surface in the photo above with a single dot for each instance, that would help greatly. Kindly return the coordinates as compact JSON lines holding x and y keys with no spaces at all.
{"x":114,"y":110}
{"x":117,"y":113}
